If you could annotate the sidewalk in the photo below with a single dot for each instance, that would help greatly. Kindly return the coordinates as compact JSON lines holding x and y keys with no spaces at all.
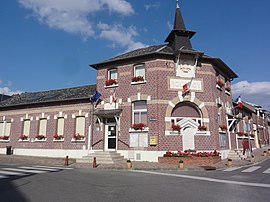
{"x":137,"y":165}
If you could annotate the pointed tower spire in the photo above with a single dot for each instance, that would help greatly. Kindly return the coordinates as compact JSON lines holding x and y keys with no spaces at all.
{"x":179,"y":36}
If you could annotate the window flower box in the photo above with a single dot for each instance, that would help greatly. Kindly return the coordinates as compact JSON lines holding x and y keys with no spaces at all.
{"x":138,"y":126}
{"x":78,"y":137}
{"x":220,"y":84}
{"x":4,"y":137}
{"x":241,"y":133}
{"x":137,"y":79}
{"x":111,"y":82}
{"x":176,"y":127}
{"x":40,"y":137}
{"x":228,"y":88}
{"x":223,"y":127}
{"x":24,"y":138}
{"x":58,"y":137}
{"x":252,"y":135}
{"x":202,"y":128}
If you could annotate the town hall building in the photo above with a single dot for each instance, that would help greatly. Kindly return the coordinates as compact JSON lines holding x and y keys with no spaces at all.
{"x":150,"y":100}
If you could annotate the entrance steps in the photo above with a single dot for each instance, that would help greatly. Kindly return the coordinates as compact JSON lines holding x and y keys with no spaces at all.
{"x":102,"y":157}
{"x":236,"y":155}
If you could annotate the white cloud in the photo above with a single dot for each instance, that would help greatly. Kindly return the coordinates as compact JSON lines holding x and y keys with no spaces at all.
{"x":150,"y":6}
{"x":120,"y":35}
{"x":8,"y":91}
{"x":1,"y":82}
{"x":255,"y":92}
{"x":170,"y":25}
{"x":72,"y":16}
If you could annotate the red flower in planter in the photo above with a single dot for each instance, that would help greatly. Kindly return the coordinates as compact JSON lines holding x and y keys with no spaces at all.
{"x":223,"y":127}
{"x":202,"y":128}
{"x":4,"y":137}
{"x":138,"y":126}
{"x":220,"y":83}
{"x":77,"y":136}
{"x":241,"y":133}
{"x":40,"y":137}
{"x":252,"y":135}
{"x":137,"y":78}
{"x":228,"y":88}
{"x":58,"y":137}
{"x":176,"y":127}
{"x":111,"y":82}
{"x":23,"y":137}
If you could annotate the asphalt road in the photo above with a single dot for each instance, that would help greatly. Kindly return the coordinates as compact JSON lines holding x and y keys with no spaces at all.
{"x":123,"y":185}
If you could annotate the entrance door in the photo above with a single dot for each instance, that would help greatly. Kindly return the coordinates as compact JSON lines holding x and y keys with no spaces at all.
{"x":188,"y":138}
{"x":110,"y":136}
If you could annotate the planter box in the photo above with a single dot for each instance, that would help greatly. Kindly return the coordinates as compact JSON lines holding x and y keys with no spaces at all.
{"x":191,"y":161}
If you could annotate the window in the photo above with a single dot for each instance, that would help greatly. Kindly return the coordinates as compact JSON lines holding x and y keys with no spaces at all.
{"x":60,"y":126}
{"x":80,"y":125}
{"x":112,"y":74}
{"x":246,"y":127}
{"x":139,"y":73}
{"x":26,"y":127}
{"x":222,"y":139}
{"x":139,"y":112}
{"x":5,"y":129}
{"x":42,"y":127}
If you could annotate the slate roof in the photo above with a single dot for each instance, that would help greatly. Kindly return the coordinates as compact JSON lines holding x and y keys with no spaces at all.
{"x":60,"y":95}
{"x":155,"y":49}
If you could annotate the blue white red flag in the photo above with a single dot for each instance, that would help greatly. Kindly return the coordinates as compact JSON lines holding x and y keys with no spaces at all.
{"x":239,"y":102}
{"x":95,"y":97}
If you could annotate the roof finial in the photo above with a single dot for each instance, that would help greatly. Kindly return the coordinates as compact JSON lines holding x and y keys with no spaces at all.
{"x":177,"y":5}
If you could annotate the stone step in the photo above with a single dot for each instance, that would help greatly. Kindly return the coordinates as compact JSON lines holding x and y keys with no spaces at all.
{"x":102,"y":157}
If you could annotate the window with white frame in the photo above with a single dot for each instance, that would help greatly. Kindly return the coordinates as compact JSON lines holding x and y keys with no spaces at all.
{"x":26,"y":127}
{"x":60,"y":125}
{"x":139,"y":112}
{"x":139,"y":70}
{"x":5,"y":128}
{"x":42,"y":127}
{"x":246,"y":127}
{"x":112,"y":74}
{"x":222,"y":139}
{"x":80,"y":125}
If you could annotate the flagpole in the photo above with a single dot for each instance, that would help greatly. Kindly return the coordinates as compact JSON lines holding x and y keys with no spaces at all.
{"x":92,"y":126}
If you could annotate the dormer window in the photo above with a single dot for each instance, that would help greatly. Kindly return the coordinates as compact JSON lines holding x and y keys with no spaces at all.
{"x":112,"y":77}
{"x":139,"y":73}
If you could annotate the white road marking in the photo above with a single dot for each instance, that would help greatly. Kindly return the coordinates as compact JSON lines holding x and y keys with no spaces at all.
{"x":232,"y":169}
{"x":205,"y":179}
{"x":35,"y":168}
{"x":251,"y":169}
{"x":24,"y":170}
{"x":54,"y":167}
{"x":267,"y":171}
{"x":12,"y":173}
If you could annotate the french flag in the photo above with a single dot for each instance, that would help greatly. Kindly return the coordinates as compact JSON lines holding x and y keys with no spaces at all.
{"x":239,"y":103}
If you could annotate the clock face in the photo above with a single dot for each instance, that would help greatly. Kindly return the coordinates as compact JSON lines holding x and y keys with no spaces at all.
{"x":186,"y":69}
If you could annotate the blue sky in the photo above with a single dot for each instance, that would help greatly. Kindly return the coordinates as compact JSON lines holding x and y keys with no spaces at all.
{"x":48,"y":44}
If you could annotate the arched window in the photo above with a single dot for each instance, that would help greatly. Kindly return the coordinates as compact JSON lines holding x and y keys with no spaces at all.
{"x":186,"y":110}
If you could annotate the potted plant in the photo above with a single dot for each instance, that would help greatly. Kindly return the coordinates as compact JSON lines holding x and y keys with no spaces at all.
{"x":58,"y":137}
{"x":129,"y":164}
{"x":77,"y":136}
{"x":220,"y":83}
{"x":202,"y":128}
{"x":137,"y":78}
{"x":176,"y":127}
{"x":229,"y":162}
{"x":181,"y":164}
{"x":111,"y":82}
{"x":23,"y":137}
{"x":40,"y":137}
{"x":223,"y":127}
{"x":138,"y":126}
{"x":4,"y":137}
